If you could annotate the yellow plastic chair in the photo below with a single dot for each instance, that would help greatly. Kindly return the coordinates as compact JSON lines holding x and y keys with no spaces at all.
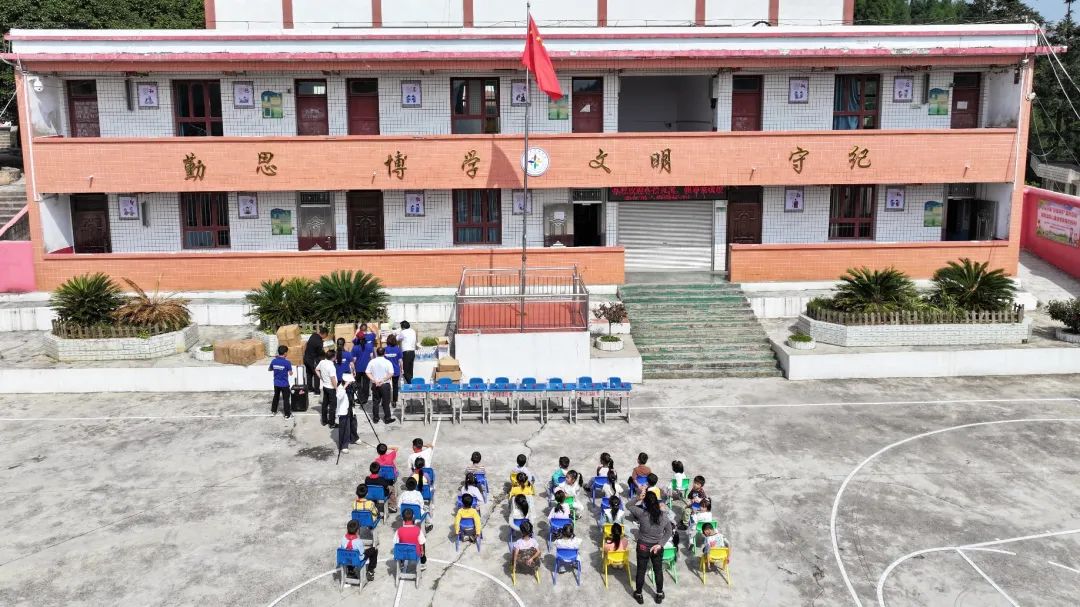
{"x":607,"y":533}
{"x":720,"y":558}
{"x":617,"y":558}
{"x":513,"y":569}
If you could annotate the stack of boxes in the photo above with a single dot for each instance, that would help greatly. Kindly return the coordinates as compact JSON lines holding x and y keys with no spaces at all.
{"x":447,"y":367}
{"x":289,"y":335}
{"x":239,"y":351}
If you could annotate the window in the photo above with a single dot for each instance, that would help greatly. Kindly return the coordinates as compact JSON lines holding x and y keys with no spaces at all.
{"x":204,"y":220}
{"x":83,"y":108}
{"x":475,"y":105}
{"x":315,"y":222}
{"x":856,"y":101}
{"x":312,"y":116}
{"x":198,"y":108}
{"x":851,"y":212}
{"x":477,"y":217}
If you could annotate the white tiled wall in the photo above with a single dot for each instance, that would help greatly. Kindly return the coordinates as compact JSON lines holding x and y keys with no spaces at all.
{"x":161,"y":214}
{"x":254,"y":234}
{"x":907,"y":225}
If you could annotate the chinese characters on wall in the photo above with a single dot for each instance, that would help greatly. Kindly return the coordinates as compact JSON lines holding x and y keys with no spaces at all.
{"x":194,"y":169}
{"x":395,"y":164}
{"x":472,"y":161}
{"x":264,"y":167}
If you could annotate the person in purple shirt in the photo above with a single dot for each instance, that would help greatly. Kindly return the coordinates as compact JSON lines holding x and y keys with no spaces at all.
{"x":394,"y":354}
{"x":282,"y":369}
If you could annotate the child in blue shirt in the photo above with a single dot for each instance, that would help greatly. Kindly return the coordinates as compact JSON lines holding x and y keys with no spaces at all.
{"x":393,"y":353}
{"x":282,"y":369}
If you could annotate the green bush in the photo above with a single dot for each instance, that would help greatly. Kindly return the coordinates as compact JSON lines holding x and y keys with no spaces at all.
{"x":610,"y":338}
{"x":300,"y":298}
{"x":280,"y":302}
{"x":866,"y":291}
{"x":429,"y":342}
{"x":87,"y":300}
{"x":969,"y":286}
{"x":1066,"y":311}
{"x":800,"y":337}
{"x":347,"y":297}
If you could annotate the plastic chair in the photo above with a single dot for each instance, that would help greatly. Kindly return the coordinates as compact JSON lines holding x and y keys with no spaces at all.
{"x":607,"y":532}
{"x":502,"y":389}
{"x":698,"y":533}
{"x":617,"y":558}
{"x":354,"y":559}
{"x":616,"y":387}
{"x":529,"y":386}
{"x":557,"y":388}
{"x":570,"y":557}
{"x":366,"y":519}
{"x":445,"y":390}
{"x":403,"y":555}
{"x":377,"y":494}
{"x":517,"y":523}
{"x":588,"y":389}
{"x":681,"y":489}
{"x":481,"y":480}
{"x":598,"y":483}
{"x":569,"y":501}
{"x":513,"y":566}
{"x":475,"y":390}
{"x":632,"y":486}
{"x":388,"y":472}
{"x":416,"y":390}
{"x":670,"y":556}
{"x":721,"y":559}
{"x":418,"y":513}
{"x":466,"y":524}
{"x":554,"y":526}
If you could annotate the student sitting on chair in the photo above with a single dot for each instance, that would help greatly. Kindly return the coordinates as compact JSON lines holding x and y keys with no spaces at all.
{"x":559,"y":509}
{"x":614,"y":513}
{"x":374,"y":479}
{"x":410,"y":533}
{"x":694,"y":496}
{"x":363,"y":503}
{"x":519,"y":510}
{"x":420,"y":449}
{"x":650,"y":485}
{"x":387,"y":455}
{"x":678,"y":479}
{"x":571,"y":487}
{"x":641,"y":469}
{"x":711,"y":538}
{"x":605,"y":465}
{"x":612,"y":488}
{"x":702,"y":514}
{"x":475,"y":467}
{"x":526,"y":551}
{"x":469,"y":487}
{"x":521,"y":467}
{"x":352,"y":541}
{"x":566,"y":539}
{"x":616,"y":542}
{"x":522,"y":485}
{"x":411,"y":495}
{"x":560,"y":472}
{"x":467,"y":511}
{"x":422,"y":478}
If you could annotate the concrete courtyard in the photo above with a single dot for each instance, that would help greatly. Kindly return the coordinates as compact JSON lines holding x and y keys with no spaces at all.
{"x":959,"y":492}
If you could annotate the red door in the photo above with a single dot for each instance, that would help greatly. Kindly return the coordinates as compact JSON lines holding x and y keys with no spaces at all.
{"x":743,"y":216}
{"x":967,"y":89}
{"x":587,"y":101}
{"x":90,"y":223}
{"x":746,"y":103}
{"x":364,"y":106}
{"x":311,"y":113}
{"x":83,"y":108}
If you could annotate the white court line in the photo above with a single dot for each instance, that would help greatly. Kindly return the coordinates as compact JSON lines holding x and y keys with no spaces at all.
{"x":397,"y":597}
{"x":435,"y":436}
{"x":1064,"y":567}
{"x":987,"y":578}
{"x":501,"y":583}
{"x":851,"y":475}
{"x":674,"y":408}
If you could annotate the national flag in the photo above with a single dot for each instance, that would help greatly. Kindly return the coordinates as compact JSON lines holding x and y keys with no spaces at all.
{"x":536,"y":59}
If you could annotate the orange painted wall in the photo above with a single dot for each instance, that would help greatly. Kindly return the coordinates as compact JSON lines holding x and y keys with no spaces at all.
{"x":239,"y":271}
{"x":827,"y":261}
{"x":66,"y":165}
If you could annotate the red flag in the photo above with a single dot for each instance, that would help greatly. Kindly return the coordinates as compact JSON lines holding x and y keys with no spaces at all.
{"x":536,"y":59}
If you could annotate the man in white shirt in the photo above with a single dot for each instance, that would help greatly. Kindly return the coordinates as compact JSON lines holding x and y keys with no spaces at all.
{"x":380,"y":372}
{"x":327,"y":373}
{"x":407,"y":341}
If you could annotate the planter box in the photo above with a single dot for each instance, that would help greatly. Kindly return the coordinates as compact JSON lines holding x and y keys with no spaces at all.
{"x":205,"y":356}
{"x":609,"y":346}
{"x":601,"y":328}
{"x":801,"y":345}
{"x":1063,"y":335}
{"x":915,"y":335}
{"x":270,"y":340}
{"x":126,"y":348}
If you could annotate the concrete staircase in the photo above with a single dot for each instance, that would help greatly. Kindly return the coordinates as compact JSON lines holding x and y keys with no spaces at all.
{"x":12,"y":200}
{"x":697,"y":330}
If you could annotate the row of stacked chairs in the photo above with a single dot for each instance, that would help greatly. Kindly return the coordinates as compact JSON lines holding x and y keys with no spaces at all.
{"x":479,"y":398}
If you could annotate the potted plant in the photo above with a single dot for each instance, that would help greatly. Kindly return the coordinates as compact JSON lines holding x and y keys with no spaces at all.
{"x":612,"y":312}
{"x":205,"y":353}
{"x":801,"y":341}
{"x":1066,"y":311}
{"x":427,"y":349}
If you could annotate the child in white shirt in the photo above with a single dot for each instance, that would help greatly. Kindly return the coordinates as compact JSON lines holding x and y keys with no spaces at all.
{"x":412,"y":496}
{"x":559,"y":509}
{"x":521,"y":467}
{"x":566,"y":539}
{"x":612,"y":487}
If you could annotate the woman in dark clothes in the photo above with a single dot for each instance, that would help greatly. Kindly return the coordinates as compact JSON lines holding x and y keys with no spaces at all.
{"x":654,"y":529}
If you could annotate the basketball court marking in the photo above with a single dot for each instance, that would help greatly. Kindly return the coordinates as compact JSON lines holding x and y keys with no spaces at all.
{"x":851,"y":475}
{"x":1066,"y":568}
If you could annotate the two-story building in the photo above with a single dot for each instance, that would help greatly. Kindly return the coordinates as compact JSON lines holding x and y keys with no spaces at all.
{"x":762,"y":138}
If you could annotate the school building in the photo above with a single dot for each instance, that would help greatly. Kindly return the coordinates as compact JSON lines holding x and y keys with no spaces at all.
{"x":766,"y":139}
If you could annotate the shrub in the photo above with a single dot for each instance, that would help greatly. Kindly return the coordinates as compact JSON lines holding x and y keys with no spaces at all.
{"x":280,"y":302}
{"x":612,"y":312}
{"x":610,"y":338}
{"x":300,"y":297}
{"x":1066,"y":311}
{"x":429,"y":342}
{"x":153,"y":310}
{"x":207,"y":348}
{"x":346,"y":297}
{"x":968,"y":286}
{"x":863,"y":290}
{"x":801,"y":337}
{"x":87,"y":299}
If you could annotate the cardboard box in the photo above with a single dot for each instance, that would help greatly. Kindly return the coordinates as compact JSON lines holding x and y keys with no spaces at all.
{"x":345,"y":330}
{"x":448,"y":364}
{"x":239,"y":351}
{"x":289,"y":335}
{"x":296,"y":355}
{"x":455,"y":376}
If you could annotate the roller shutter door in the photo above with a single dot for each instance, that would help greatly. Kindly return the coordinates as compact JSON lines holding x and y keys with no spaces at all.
{"x":666,"y":235}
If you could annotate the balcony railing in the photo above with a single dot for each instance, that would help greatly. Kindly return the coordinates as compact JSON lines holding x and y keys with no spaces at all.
{"x":504,"y":301}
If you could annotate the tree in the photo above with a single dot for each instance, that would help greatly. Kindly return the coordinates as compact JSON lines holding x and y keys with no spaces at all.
{"x":1000,"y":11}
{"x":881,"y":12}
{"x":937,"y":11}
{"x":91,"y":14}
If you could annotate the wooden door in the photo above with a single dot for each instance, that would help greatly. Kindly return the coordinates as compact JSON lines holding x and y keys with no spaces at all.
{"x":744,"y":215}
{"x":363,"y":106}
{"x":967,"y":91}
{"x":746,"y":103}
{"x":90,"y":223}
{"x":312,"y":117}
{"x":587,"y":102}
{"x":365,"y":216}
{"x":83,"y":108}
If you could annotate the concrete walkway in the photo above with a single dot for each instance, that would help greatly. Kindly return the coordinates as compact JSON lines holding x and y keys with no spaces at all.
{"x":1045,"y":281}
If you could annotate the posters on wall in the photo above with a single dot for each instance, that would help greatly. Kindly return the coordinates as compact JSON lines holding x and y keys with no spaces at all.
{"x":1058,"y":222}
{"x":281,"y":222}
{"x":559,"y":109}
{"x":903,"y":89}
{"x":271,"y":105}
{"x":932,"y":214}
{"x":129,"y":206}
{"x":414,"y":204}
{"x":798,"y":90}
{"x":248,"y":205}
{"x":793,"y":200}
{"x":244,"y":95}
{"x":938,"y":102}
{"x":894,"y":199}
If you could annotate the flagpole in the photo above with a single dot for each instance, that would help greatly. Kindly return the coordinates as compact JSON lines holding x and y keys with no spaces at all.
{"x":525,"y":178}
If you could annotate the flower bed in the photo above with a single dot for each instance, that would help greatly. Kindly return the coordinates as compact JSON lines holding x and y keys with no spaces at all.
{"x":913,"y":329}
{"x":121,"y":348}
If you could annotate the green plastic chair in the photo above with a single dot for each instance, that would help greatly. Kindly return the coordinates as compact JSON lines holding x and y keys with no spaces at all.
{"x":698,"y":533}
{"x":670,"y":558}
{"x":681,"y":488}
{"x":569,"y":501}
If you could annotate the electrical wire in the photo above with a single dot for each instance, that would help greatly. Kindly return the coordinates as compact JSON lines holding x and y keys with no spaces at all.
{"x":1060,"y":137}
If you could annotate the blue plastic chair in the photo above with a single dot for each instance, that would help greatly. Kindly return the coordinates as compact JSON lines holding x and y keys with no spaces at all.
{"x":377,"y":494}
{"x":616,"y":387}
{"x":557,"y":388}
{"x":473,"y":391}
{"x":403,"y":555}
{"x":467,"y":523}
{"x":354,"y":559}
{"x":388,"y":472}
{"x":598,"y":483}
{"x":502,"y":380}
{"x":503,"y":389}
{"x":365,"y":519}
{"x":417,"y":389}
{"x":531,"y":389}
{"x":554,"y":526}
{"x":444,"y":389}
{"x":481,"y":480}
{"x":570,"y":557}
{"x":634,"y":484}
{"x":418,"y":513}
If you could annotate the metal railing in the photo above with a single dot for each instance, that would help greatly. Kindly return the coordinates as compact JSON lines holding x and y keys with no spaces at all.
{"x":501,"y":300}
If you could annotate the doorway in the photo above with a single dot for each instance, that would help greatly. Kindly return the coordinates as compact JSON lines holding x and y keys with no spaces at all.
{"x":746,"y":103}
{"x":588,"y":225}
{"x":970,"y":219}
{"x":743,"y":217}
{"x":90,"y":223}
{"x":312,"y":117}
{"x":363,"y":107}
{"x":365,"y":217}
{"x":588,"y":105}
{"x":967,"y":90}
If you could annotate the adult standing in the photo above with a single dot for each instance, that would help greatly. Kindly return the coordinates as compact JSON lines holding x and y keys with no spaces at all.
{"x":407,"y":341}
{"x":328,"y":378}
{"x":393,"y":354}
{"x":654,"y":529}
{"x":313,"y":355}
{"x":380,"y":373}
